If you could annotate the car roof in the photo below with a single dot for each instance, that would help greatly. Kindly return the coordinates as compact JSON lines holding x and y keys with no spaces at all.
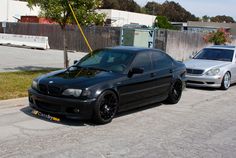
{"x":223,"y":47}
{"x":131,"y":49}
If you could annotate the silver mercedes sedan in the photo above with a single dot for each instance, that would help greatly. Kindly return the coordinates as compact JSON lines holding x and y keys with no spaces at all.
{"x":213,"y":66}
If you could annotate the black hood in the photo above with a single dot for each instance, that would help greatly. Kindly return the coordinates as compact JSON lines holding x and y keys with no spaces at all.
{"x":81,"y":78}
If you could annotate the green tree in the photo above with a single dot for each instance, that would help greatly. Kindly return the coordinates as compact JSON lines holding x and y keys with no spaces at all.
{"x":206,"y":18}
{"x":172,"y":10}
{"x":110,"y":4}
{"x":175,"y":12}
{"x":162,"y":22}
{"x":222,"y":18}
{"x":153,"y":8}
{"x":59,"y":11}
{"x":125,"y":5}
{"x":132,"y":6}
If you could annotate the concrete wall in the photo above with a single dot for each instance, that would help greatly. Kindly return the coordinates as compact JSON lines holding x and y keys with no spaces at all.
{"x":123,"y":17}
{"x":181,"y":45}
{"x":10,"y":9}
{"x":233,"y":42}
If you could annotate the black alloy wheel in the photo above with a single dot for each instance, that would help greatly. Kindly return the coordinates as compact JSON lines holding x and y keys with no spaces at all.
{"x":106,"y":107}
{"x":175,"y":93}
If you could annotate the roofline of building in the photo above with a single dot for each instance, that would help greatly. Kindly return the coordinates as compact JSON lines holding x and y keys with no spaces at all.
{"x":127,"y":12}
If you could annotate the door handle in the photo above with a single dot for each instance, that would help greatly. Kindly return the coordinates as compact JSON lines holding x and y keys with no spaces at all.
{"x":171,"y":71}
{"x":153,"y":74}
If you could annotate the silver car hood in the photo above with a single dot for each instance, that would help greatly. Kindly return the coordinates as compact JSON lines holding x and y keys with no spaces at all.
{"x":204,"y":64}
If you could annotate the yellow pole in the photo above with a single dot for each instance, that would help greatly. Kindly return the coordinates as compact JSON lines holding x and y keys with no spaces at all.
{"x":81,"y":30}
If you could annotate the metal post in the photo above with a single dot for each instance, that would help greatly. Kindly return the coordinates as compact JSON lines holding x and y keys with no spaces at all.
{"x":121,"y":36}
{"x":7,"y":10}
{"x":4,"y":25}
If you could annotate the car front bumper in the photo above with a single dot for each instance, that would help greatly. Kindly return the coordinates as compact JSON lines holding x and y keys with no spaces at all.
{"x":204,"y":81}
{"x":71,"y":108}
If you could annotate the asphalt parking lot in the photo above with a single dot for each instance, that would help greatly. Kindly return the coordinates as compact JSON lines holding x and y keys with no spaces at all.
{"x":202,"y":124}
{"x":15,"y":59}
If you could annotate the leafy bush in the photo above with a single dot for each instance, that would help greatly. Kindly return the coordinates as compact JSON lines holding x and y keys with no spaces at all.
{"x":221,"y":36}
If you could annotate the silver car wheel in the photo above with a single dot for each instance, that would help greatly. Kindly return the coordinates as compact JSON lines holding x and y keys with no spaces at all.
{"x":227,"y":80}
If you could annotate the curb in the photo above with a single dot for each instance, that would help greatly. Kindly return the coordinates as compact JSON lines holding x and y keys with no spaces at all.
{"x":15,"y":99}
{"x":13,"y":102}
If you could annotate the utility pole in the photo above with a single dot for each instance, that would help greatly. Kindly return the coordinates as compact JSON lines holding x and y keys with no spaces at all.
{"x":7,"y":10}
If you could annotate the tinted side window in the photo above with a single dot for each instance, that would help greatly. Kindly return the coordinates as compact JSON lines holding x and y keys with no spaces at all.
{"x":143,"y":60}
{"x":161,"y":60}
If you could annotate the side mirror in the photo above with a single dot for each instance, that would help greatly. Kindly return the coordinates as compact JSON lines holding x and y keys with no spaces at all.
{"x":191,"y":57}
{"x":76,"y":61}
{"x":135,"y":70}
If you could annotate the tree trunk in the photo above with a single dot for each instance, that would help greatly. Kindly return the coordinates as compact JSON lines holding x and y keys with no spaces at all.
{"x":66,"y":62}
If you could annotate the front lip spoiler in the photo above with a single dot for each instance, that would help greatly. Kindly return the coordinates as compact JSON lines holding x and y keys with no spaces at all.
{"x":64,"y":104}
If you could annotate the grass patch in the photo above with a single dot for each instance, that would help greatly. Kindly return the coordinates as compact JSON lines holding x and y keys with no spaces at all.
{"x":16,"y":84}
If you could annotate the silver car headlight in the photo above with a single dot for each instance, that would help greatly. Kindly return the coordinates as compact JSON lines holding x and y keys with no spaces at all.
{"x":72,"y":92}
{"x":213,"y":72}
{"x":34,"y":84}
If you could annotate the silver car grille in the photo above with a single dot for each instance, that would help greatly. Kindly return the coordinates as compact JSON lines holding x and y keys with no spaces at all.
{"x":195,"y":71}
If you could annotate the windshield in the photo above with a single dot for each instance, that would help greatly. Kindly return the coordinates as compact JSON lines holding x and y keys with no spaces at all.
{"x":107,"y":60}
{"x":215,"y":54}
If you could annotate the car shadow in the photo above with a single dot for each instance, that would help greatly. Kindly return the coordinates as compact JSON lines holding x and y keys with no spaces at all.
{"x":232,"y":85}
{"x":208,"y":88}
{"x":75,"y":122}
{"x":63,"y":120}
{"x":202,"y":88}
{"x":136,"y":110}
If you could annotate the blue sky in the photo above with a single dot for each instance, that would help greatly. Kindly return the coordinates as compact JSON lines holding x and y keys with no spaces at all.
{"x":204,"y":7}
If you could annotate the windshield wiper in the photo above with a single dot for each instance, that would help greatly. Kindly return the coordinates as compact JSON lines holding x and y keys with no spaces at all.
{"x":77,"y":66}
{"x":98,"y":68}
{"x":91,"y":68}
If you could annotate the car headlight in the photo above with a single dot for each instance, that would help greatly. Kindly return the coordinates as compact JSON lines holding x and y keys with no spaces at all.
{"x":34,"y":85}
{"x":72,"y":92}
{"x":213,"y":72}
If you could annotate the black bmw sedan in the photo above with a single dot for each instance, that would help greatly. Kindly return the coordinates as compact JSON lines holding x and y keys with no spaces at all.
{"x":107,"y":81}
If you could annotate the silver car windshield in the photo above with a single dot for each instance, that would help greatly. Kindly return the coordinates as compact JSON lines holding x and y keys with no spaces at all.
{"x":215,"y":54}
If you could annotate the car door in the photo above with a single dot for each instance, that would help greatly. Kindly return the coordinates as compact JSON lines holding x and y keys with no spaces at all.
{"x":163,"y":70}
{"x":138,"y":88}
{"x":234,"y":68}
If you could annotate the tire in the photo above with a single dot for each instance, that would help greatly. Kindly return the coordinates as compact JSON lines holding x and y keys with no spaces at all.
{"x":175,"y":93}
{"x":226,"y":81}
{"x":105,"y":108}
